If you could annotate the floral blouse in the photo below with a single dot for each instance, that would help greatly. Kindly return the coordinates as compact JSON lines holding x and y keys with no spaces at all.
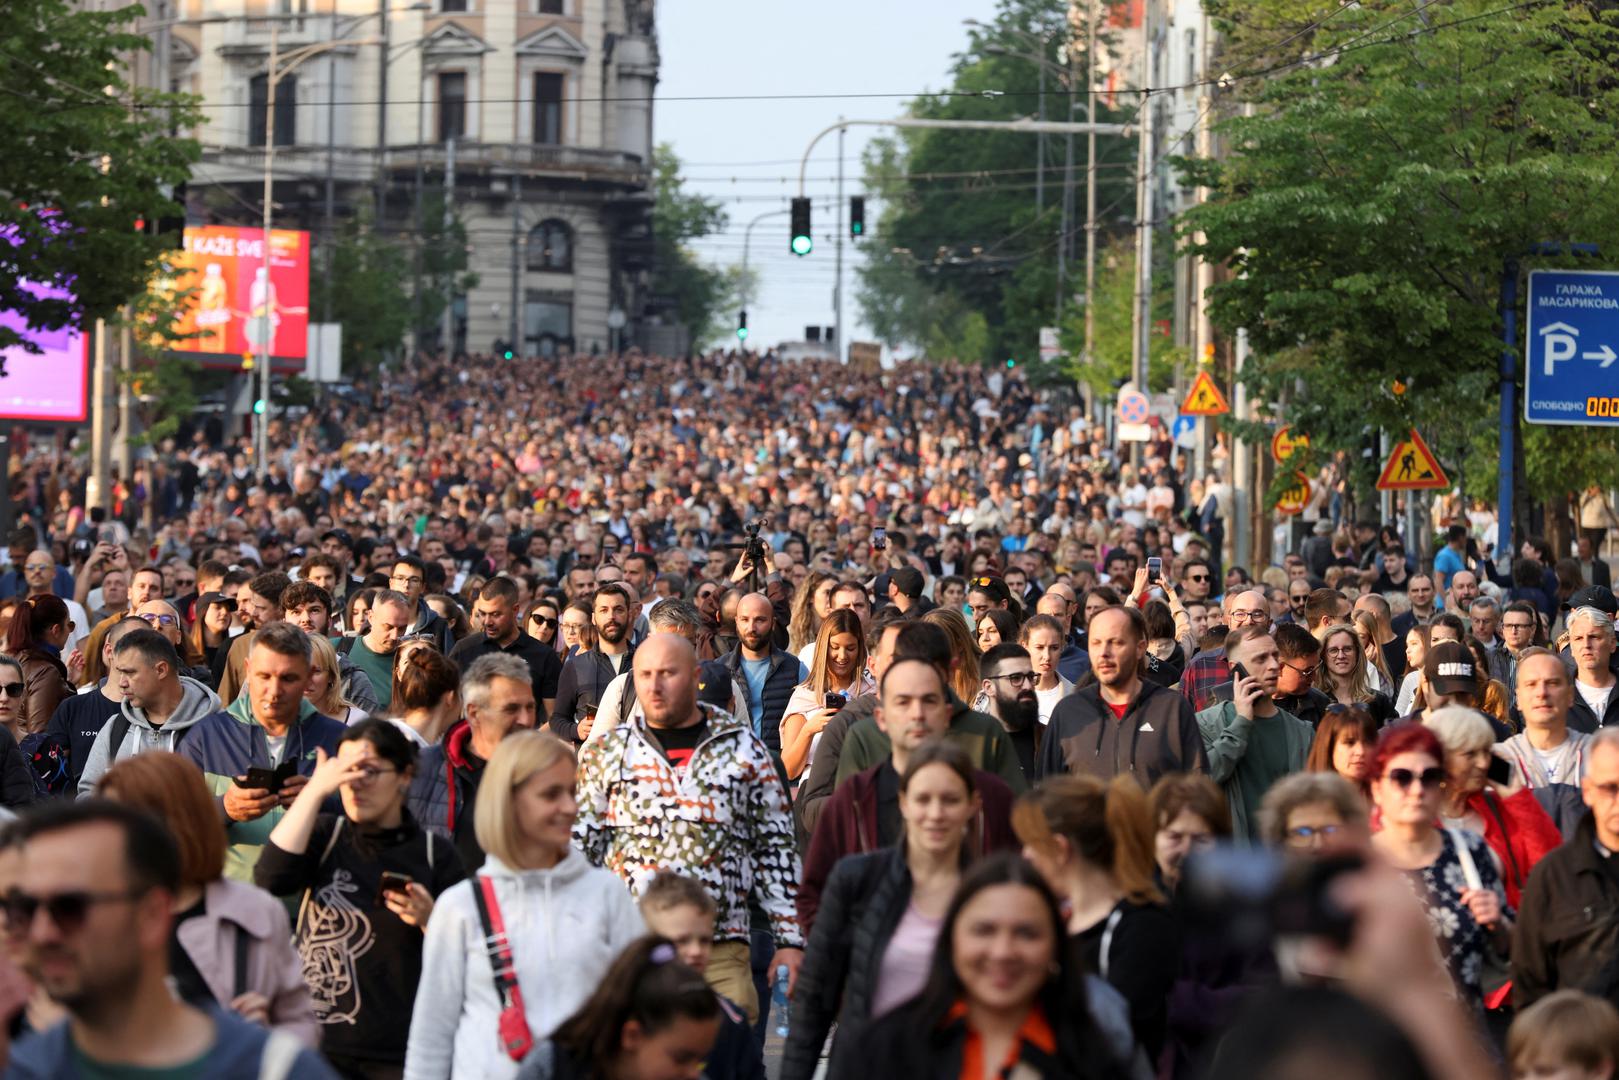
{"x":1462,"y":942}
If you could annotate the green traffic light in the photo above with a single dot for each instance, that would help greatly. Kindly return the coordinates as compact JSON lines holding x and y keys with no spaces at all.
{"x":509,"y":354}
{"x":1011,"y":363}
{"x":802,"y":244}
{"x":742,"y":333}
{"x":258,"y":407}
{"x":857,"y":227}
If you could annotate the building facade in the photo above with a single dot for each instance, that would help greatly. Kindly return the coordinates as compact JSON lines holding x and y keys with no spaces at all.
{"x":531,"y":120}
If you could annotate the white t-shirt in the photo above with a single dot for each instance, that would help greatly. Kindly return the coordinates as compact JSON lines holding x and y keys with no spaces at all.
{"x":1049,"y":698}
{"x":278,"y":747}
{"x":1595,"y":697}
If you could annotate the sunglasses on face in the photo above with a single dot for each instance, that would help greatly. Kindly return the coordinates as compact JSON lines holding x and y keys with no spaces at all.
{"x":541,"y":620}
{"x":1198,"y":577}
{"x":13,"y":689}
{"x":1430,"y":778}
{"x":68,"y":910}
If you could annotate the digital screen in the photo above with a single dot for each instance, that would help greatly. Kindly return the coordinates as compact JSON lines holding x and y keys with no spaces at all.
{"x":52,"y":385}
{"x":237,"y":300}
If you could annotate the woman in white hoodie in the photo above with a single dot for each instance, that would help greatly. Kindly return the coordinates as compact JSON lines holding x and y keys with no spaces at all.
{"x":565,"y":921}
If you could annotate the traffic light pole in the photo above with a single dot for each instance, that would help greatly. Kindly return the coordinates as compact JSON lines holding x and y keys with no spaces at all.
{"x":747,"y":239}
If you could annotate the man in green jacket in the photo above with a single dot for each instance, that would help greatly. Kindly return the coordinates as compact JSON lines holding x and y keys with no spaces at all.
{"x":1251,"y":742}
{"x":981,"y":735}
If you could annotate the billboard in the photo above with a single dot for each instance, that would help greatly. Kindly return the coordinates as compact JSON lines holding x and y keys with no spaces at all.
{"x":52,"y":385}
{"x":238,"y":300}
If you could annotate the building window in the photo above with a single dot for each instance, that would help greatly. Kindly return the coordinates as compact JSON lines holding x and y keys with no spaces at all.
{"x":286,"y":110}
{"x":452,"y":105}
{"x":547,"y":325}
{"x":550,"y":246}
{"x":548,"y":108}
{"x":452,"y":6}
{"x":550,"y":7}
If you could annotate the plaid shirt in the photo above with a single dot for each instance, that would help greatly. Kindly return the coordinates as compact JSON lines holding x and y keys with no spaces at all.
{"x":1206,"y":671}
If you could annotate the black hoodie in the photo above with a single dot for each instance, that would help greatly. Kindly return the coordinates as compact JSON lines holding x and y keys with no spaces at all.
{"x":1158,"y":734}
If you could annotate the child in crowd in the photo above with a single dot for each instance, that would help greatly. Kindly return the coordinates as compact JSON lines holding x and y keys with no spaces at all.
{"x":680,"y":909}
{"x":1565,"y":1036}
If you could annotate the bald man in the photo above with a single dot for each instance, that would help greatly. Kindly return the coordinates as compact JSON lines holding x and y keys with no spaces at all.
{"x":1210,"y":669}
{"x":683,"y":786}
{"x":768,"y":673}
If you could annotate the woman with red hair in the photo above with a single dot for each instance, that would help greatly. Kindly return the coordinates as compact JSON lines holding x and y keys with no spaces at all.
{"x":1452,"y":871}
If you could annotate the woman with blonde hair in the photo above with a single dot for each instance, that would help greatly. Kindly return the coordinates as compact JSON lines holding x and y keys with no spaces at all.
{"x":325,"y":689}
{"x":1093,"y":843}
{"x":565,"y":919}
{"x":235,"y":936}
{"x":812,"y":602}
{"x":839,"y":671}
{"x":964,"y":678}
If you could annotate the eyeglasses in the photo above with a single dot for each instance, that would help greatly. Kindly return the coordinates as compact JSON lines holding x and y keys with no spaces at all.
{"x":1017,"y":678}
{"x":1306,"y":672}
{"x":157,"y":619}
{"x":1301,"y":835}
{"x":408,"y":579}
{"x":13,"y":689}
{"x":67,"y":910}
{"x":1252,"y":617}
{"x":1341,"y":650}
{"x":369,"y":773}
{"x":1403,"y":778}
{"x":1517,"y":626}
{"x":38,"y":566}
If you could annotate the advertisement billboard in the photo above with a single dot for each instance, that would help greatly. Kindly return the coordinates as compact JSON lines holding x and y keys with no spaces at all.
{"x":49,"y":386}
{"x":237,"y":299}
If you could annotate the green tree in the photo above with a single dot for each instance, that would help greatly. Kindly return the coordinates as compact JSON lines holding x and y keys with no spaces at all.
{"x":443,"y":240}
{"x":1367,"y":206}
{"x":87,"y":156}
{"x":374,"y":304}
{"x":1114,"y":319}
{"x":701,"y":295}
{"x":963,"y":243}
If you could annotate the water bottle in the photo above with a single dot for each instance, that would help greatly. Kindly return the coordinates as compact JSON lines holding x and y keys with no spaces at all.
{"x":778,"y":1001}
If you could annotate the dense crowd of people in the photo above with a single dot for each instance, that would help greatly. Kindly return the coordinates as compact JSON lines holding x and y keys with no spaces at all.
{"x":598,"y":719}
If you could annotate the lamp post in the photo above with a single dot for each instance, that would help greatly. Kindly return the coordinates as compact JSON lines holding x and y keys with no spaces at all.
{"x":277,"y":68}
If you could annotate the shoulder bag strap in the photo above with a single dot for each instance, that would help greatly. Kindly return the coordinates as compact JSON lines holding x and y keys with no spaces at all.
{"x":1113,"y":919}
{"x":242,"y":942}
{"x":1465,"y":857}
{"x":1506,"y":840}
{"x":326,"y":853}
{"x":514,"y":1033}
{"x":279,"y":1054}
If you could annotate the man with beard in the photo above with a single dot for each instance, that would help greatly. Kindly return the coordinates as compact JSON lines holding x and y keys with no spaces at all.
{"x":1122,"y":723}
{"x":586,"y":676}
{"x":496,"y":608}
{"x":1007,"y":694}
{"x":863,"y":814}
{"x":769,"y":674}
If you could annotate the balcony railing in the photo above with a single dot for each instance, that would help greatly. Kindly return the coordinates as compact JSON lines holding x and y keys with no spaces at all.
{"x":233,"y":163}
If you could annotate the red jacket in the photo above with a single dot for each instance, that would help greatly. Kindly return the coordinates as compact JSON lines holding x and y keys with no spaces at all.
{"x":848,"y":826}
{"x":1519,"y":831}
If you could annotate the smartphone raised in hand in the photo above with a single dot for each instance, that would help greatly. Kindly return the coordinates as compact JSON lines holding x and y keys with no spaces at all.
{"x":392,"y":883}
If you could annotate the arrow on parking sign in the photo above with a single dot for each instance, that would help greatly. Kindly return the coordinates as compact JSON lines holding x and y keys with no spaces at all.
{"x":1605,"y":354}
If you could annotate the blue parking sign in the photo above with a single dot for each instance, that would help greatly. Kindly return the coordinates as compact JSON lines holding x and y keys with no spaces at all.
{"x":1571,"y":331}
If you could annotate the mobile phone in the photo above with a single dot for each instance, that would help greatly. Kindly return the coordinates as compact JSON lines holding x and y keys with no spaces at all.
{"x":1500,"y":771}
{"x":1155,"y":568}
{"x":879,"y":538}
{"x":270,"y":780}
{"x":1238,"y":672}
{"x":834,"y":700}
{"x":392,"y":883}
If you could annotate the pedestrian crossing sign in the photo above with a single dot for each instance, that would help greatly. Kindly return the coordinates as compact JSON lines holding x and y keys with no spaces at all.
{"x":1205,"y":398}
{"x":1412,"y":467}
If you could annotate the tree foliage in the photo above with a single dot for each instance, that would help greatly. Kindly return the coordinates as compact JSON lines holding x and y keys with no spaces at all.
{"x":87,"y":156}
{"x":963,"y":259}
{"x":1366,"y":208}
{"x":374,"y":303}
{"x":699,"y":294}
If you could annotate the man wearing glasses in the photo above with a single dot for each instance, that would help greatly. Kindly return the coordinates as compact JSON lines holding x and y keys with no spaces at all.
{"x":1209,"y":669}
{"x":409,"y":576}
{"x":1197,"y":580}
{"x":1007,"y":691}
{"x":1300,"y":654}
{"x":93,"y":928}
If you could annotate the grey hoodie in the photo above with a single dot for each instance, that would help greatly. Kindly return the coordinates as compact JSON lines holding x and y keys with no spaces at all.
{"x":196,"y":702}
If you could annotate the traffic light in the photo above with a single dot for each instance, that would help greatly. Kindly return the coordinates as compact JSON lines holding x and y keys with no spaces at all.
{"x":857,"y":216}
{"x":258,"y":407}
{"x":801,"y":244}
{"x":742,"y":326}
{"x":508,"y":354}
{"x":1010,"y":363}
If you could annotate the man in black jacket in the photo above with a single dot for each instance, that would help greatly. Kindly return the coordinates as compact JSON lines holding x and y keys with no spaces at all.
{"x":1122,"y":723}
{"x":586,"y":676}
{"x":409,"y":576}
{"x":1567,"y":935}
{"x":1008,"y":687}
{"x":496,"y":608}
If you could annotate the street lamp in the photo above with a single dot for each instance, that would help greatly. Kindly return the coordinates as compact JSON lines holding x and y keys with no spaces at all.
{"x":277,"y":68}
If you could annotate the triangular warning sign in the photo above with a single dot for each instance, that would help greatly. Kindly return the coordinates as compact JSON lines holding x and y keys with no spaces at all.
{"x":1205,"y":398}
{"x":1412,"y":467}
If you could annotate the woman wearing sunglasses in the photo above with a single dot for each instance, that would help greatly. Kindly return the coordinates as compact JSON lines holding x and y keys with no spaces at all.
{"x":542,"y":623}
{"x":1452,"y":871}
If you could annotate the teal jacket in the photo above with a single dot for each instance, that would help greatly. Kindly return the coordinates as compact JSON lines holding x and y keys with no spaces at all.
{"x":1225,"y":737}
{"x":227,"y":743}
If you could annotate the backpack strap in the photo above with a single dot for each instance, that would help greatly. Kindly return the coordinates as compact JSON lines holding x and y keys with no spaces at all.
{"x":429,"y":834}
{"x":242,"y":942}
{"x":326,"y":853}
{"x":119,"y":726}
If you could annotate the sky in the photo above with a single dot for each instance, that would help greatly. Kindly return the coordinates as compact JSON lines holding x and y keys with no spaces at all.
{"x":750,"y":150}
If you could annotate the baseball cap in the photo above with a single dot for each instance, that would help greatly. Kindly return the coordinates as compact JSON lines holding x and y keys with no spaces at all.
{"x":714,"y":684}
{"x":908,"y":580}
{"x":1449,"y":669}
{"x":1598,"y":596}
{"x":340,"y":535}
